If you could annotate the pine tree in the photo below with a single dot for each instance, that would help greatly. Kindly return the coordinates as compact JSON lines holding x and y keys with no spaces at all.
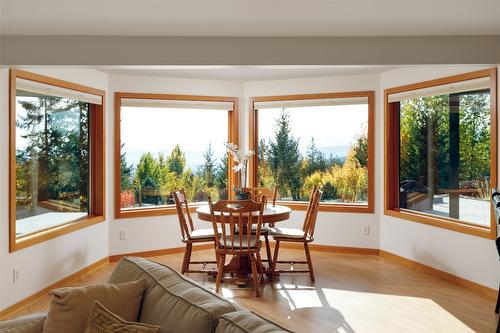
{"x":361,"y":148}
{"x":125,"y":170}
{"x":265,"y":176}
{"x":176,"y":162}
{"x":147,"y":179}
{"x":221,"y":177}
{"x":284,"y":158}
{"x":208,"y":168}
{"x":316,"y":160}
{"x":56,"y":134}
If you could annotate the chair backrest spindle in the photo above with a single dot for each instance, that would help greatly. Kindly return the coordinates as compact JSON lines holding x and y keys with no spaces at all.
{"x":182,"y":207}
{"x":235,"y":219}
{"x":311,"y":213}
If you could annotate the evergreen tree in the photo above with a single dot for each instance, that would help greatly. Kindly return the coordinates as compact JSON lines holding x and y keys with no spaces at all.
{"x":176,"y":162}
{"x":125,"y":170}
{"x":56,"y":134}
{"x":221,"y":177}
{"x":316,"y":160}
{"x":208,"y":168}
{"x":361,"y":148}
{"x":265,"y":175}
{"x":285,"y":159}
{"x":147,"y":180}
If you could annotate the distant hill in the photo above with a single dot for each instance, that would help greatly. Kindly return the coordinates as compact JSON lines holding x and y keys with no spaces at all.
{"x":335,"y":151}
{"x":194,"y":159}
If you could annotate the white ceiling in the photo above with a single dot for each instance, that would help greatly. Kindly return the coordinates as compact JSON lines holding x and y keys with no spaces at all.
{"x":243,"y":73}
{"x":250,"y":18}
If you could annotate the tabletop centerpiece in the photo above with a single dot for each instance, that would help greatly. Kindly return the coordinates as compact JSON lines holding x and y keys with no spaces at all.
{"x":240,"y":160}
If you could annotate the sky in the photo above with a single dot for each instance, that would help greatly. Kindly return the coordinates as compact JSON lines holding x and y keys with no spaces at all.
{"x":160,"y":129}
{"x":334,"y":128}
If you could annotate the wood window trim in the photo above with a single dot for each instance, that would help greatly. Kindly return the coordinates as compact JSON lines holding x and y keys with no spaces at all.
{"x":97,"y":171}
{"x":323,"y":207}
{"x":391,"y":143}
{"x":170,"y":209}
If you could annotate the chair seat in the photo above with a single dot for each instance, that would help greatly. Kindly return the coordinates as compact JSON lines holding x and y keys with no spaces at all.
{"x":264,"y":230}
{"x":286,"y":232}
{"x":228,"y":244}
{"x":202,"y":233}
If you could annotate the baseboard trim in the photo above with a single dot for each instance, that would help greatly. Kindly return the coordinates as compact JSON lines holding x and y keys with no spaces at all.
{"x":330,"y":248}
{"x":161,"y":252}
{"x":9,"y":311}
{"x":484,"y":290}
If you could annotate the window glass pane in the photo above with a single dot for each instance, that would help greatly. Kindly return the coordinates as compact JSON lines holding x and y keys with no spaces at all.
{"x":326,"y":146}
{"x":167,"y":149}
{"x":52,"y":162}
{"x":445,"y":156}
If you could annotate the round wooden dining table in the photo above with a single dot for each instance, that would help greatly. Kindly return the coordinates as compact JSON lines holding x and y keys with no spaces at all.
{"x":241,"y":268}
{"x":271,"y":214}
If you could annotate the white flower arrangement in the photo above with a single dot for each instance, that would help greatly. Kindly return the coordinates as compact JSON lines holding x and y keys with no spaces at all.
{"x":241,"y":161}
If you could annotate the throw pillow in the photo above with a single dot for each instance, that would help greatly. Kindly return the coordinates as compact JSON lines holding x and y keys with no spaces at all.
{"x":70,"y":307}
{"x":101,"y":320}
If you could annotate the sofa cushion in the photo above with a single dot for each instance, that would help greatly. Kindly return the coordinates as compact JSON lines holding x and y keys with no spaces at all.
{"x":246,"y":322}
{"x":101,"y":320}
{"x":26,"y":324}
{"x":172,"y":301}
{"x":70,"y":307}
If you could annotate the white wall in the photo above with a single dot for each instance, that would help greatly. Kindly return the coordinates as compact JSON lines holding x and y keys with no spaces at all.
{"x":467,"y":256}
{"x":159,"y":232}
{"x":152,"y":233}
{"x":45,"y":263}
{"x":339,"y":229}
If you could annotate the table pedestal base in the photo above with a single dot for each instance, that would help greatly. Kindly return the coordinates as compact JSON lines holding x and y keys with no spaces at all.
{"x":241,"y":269}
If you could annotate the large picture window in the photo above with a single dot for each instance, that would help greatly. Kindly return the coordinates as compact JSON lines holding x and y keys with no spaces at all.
{"x":54,"y":157}
{"x":170,"y":142}
{"x":443,"y":141}
{"x":323,"y":140}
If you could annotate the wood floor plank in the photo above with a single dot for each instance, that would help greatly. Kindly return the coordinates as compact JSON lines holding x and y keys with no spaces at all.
{"x":352,"y":293}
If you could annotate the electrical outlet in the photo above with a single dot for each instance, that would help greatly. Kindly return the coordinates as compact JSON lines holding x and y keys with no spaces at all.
{"x":123,"y":235}
{"x":366,"y":229}
{"x":15,"y":275}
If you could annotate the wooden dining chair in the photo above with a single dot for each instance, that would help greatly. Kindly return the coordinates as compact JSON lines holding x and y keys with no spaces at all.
{"x":190,"y":235}
{"x":267,"y":195}
{"x":228,"y":217}
{"x":305,"y":236}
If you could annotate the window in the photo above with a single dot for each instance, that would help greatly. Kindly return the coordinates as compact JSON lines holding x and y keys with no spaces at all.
{"x":323,"y":140}
{"x":166,"y":143}
{"x":441,"y":146}
{"x":56,"y":158}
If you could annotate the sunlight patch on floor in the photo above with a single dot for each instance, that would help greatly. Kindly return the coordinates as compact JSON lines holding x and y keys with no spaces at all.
{"x":299,"y":296}
{"x":397,"y":312}
{"x":227,"y":293}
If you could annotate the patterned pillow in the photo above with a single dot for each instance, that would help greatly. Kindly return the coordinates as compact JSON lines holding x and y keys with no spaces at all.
{"x":101,"y":320}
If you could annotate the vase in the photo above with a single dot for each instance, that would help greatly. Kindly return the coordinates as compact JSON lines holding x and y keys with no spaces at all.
{"x":240,"y":195}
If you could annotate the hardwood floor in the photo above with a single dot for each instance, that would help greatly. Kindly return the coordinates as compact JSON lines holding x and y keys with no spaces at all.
{"x":352,"y":293}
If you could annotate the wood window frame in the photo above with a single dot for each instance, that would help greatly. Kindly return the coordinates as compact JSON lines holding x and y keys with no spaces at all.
{"x":391,"y":156}
{"x":97,"y":163}
{"x":170,"y":209}
{"x":324,"y":207}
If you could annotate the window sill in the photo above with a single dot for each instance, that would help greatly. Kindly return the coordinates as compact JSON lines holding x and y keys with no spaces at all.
{"x":158,"y":211}
{"x":326,"y":207}
{"x":440,"y":222}
{"x":44,"y":235}
{"x":299,"y":206}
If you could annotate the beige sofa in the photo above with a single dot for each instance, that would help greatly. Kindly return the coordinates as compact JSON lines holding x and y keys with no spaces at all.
{"x":172,"y":301}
